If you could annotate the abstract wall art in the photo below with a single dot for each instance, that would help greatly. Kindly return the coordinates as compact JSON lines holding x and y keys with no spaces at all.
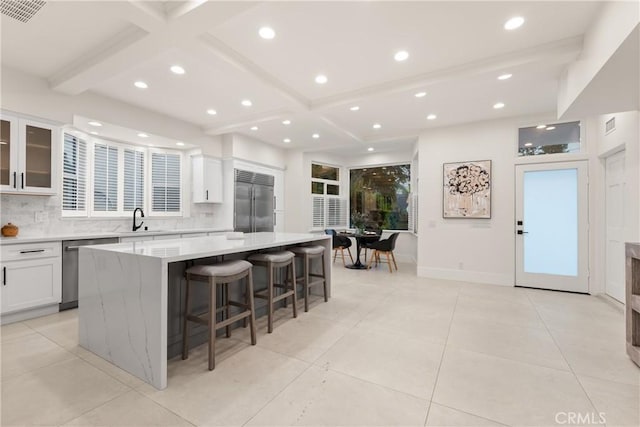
{"x":467,"y":189}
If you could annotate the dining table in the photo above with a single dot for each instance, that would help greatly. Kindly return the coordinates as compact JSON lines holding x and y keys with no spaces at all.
{"x":366,"y":237}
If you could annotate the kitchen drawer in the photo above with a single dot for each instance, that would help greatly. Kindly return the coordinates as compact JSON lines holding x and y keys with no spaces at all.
{"x":31,"y":251}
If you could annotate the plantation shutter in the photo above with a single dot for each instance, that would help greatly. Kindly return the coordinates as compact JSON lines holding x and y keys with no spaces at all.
{"x":165,"y":183}
{"x":318,"y":212}
{"x":336,"y":212}
{"x":105,"y":178}
{"x":133,"y":179}
{"x":74,"y":175}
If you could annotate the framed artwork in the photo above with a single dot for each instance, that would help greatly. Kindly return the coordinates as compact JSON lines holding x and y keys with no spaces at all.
{"x":467,"y":189}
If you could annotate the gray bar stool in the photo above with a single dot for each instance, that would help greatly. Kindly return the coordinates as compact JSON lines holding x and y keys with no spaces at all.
{"x":223,"y":273}
{"x":271,"y":261}
{"x":308,"y":279}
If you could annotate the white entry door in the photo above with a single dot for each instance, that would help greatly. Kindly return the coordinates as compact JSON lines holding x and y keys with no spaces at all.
{"x":615,"y":220}
{"x":552,"y":226}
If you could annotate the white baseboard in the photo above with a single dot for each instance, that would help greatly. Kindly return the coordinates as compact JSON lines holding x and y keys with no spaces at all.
{"x":19,"y":316}
{"x":466,"y":276}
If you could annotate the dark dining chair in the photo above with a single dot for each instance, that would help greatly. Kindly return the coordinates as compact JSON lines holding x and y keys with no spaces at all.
{"x":340,"y":243}
{"x":385,"y":247}
{"x":366,"y":243}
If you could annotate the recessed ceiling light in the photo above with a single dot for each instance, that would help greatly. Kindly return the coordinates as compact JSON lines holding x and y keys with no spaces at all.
{"x":551,"y":127}
{"x":96,"y":124}
{"x":180,"y":143}
{"x":504,"y":76}
{"x":528,"y":144}
{"x":286,"y":122}
{"x":211,"y":112}
{"x":266,"y":33}
{"x":401,"y":55}
{"x":513,"y":23}
{"x":420,"y":94}
{"x":143,"y":135}
{"x":286,"y":140}
{"x":254,"y":127}
{"x":176,"y":69}
{"x":541,"y":126}
{"x":354,"y":108}
{"x":369,"y":149}
{"x":498,"y":105}
{"x":94,"y":133}
{"x":141,"y":85}
{"x":377,"y":126}
{"x":247,"y":102}
{"x":321,"y":79}
{"x":432,"y":117}
{"x":315,"y":136}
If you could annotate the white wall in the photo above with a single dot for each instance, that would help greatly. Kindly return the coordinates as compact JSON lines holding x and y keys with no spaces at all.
{"x":477,"y":250}
{"x":613,"y":24}
{"x":625,"y":137}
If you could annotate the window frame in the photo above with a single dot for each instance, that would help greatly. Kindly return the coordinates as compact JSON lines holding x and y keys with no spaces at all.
{"x":149,"y":183}
{"x":77,"y":213}
{"x":326,"y":197}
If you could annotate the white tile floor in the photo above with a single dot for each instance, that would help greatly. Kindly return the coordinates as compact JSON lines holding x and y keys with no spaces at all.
{"x":386,"y":350}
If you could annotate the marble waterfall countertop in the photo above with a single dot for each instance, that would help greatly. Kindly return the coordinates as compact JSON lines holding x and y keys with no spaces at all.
{"x":172,"y":250}
{"x":131,"y":294}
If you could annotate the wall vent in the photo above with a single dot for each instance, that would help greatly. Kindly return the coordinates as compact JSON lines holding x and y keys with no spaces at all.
{"x":610,"y":125}
{"x":22,"y":10}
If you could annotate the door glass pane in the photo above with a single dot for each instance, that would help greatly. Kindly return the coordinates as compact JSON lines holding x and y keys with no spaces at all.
{"x":5,"y":152}
{"x":551,"y":222}
{"x":38,"y":157}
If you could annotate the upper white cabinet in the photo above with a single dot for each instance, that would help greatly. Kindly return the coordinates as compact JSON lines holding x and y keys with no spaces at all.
{"x":206,"y":179}
{"x":27,"y":156}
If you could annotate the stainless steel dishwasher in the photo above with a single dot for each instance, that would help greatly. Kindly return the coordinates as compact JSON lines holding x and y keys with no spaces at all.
{"x":70,"y":268}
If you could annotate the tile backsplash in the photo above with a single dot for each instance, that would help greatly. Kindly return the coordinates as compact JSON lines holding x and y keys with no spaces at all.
{"x":41,"y":215}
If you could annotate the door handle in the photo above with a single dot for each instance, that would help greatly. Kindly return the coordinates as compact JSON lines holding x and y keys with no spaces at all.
{"x":207,"y":195}
{"x":22,"y":179}
{"x":4,"y":276}
{"x":15,"y":179}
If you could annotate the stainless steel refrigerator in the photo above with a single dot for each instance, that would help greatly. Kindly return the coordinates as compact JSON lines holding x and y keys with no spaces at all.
{"x":254,"y":202}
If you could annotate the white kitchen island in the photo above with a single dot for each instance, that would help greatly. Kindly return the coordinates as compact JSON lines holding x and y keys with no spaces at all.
{"x":127,"y":289}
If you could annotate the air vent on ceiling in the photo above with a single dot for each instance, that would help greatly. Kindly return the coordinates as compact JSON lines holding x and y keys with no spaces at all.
{"x":610,"y":125}
{"x":22,"y":10}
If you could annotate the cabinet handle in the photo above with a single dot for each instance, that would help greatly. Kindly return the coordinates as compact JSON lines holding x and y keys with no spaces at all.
{"x":32,"y":251}
{"x":15,"y":179}
{"x":4,"y":276}
{"x":22,"y":179}
{"x":207,"y":194}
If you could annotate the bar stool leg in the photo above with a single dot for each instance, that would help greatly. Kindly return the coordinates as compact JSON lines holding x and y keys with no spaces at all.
{"x":291,"y":269}
{"x":270,"y":299}
{"x":252,"y":317}
{"x":324,"y":278}
{"x":185,"y":326}
{"x":227,"y":308}
{"x":212,"y":323}
{"x":306,"y":283}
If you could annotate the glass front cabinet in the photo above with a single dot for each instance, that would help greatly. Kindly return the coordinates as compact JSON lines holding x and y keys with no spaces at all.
{"x":27,"y":154}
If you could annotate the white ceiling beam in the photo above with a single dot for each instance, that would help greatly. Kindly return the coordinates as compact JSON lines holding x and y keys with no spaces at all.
{"x":136,"y":44}
{"x":234,"y":58}
{"x":248,"y":121}
{"x":339,"y":128}
{"x":562,"y":51}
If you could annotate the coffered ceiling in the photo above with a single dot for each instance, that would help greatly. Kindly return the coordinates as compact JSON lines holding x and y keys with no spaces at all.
{"x":456,"y":52}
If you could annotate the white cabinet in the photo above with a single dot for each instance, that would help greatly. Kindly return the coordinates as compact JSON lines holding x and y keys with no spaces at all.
{"x":206,"y":179}
{"x":27,"y":156}
{"x":31,"y":276}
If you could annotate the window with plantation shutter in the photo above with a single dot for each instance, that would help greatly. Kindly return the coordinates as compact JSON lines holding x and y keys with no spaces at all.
{"x":74,"y":176}
{"x":105,"y":178}
{"x":336,"y":212}
{"x":133,"y":179}
{"x":318,"y":212}
{"x":166,"y":183}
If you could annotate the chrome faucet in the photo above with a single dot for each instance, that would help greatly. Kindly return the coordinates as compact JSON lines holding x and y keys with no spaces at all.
{"x":135,"y":227}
